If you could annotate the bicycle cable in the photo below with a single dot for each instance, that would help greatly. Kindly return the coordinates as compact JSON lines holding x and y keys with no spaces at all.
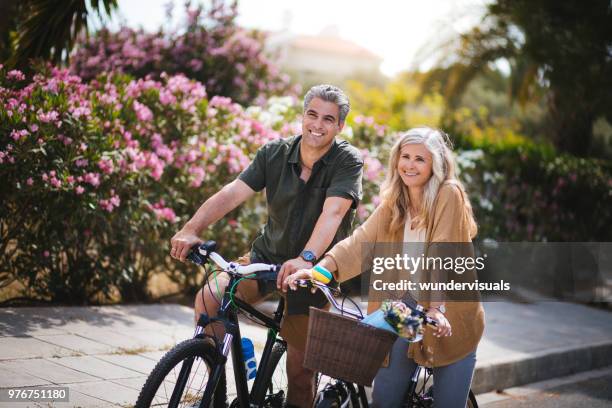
{"x":233,"y":289}
{"x":344,"y":297}
{"x":207,"y":274}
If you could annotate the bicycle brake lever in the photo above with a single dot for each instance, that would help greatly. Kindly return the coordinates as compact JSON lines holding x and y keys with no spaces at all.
{"x":304,"y":283}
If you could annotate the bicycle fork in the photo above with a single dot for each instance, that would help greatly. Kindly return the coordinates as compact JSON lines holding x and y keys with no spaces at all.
{"x":414,"y":380}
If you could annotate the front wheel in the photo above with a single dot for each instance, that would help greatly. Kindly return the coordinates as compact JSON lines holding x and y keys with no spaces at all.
{"x":336,"y":395}
{"x":426,"y":400}
{"x":471,"y":403}
{"x":180,"y":378}
{"x":275,"y":378}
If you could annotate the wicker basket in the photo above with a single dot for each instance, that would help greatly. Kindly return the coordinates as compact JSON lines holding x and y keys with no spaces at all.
{"x":345,"y":348}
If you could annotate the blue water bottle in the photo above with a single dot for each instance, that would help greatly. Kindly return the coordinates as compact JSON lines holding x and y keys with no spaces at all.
{"x":248,"y":356}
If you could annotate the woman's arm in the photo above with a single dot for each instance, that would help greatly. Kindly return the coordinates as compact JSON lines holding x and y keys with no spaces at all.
{"x":345,"y":259}
{"x":348,"y":256}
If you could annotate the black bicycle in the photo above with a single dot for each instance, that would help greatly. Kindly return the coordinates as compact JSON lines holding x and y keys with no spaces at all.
{"x":339,"y":393}
{"x":193,"y":373}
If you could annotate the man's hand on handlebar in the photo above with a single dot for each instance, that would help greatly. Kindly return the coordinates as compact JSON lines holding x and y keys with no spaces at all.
{"x":288,"y":269}
{"x":182,"y":242}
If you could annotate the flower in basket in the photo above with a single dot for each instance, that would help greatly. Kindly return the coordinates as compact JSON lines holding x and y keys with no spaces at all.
{"x":406,"y":322}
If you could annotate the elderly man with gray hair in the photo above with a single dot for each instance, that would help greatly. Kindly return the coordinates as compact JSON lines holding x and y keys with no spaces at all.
{"x":313,"y":185}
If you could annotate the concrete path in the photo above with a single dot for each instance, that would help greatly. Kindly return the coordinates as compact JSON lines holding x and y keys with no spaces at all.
{"x":103,"y":354}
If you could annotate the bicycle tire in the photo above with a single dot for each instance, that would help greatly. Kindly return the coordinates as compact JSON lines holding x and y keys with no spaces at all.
{"x":335,"y":397}
{"x":471,"y":403}
{"x":276,"y":390}
{"x":197,"y":348}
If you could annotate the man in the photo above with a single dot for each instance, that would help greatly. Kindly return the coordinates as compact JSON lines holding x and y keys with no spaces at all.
{"x":313,"y":185}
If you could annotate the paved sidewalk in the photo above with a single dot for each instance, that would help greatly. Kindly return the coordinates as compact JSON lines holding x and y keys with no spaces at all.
{"x":103,"y":354}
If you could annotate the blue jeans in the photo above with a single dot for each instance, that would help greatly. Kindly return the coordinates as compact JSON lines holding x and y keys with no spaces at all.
{"x":451,"y":382}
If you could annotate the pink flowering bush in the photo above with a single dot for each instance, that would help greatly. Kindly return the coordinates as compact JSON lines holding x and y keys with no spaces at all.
{"x":209,"y":48}
{"x":98,"y":176}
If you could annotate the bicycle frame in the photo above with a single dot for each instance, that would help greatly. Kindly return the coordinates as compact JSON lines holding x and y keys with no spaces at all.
{"x":232,"y":340}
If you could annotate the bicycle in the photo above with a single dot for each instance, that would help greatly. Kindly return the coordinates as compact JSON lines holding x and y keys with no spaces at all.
{"x":341,"y":393}
{"x":192,"y":373}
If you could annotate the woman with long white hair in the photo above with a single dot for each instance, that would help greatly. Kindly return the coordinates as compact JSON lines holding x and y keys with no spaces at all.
{"x":422,"y":202}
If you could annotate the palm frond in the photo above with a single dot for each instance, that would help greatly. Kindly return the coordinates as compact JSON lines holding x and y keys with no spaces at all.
{"x":49,"y":28}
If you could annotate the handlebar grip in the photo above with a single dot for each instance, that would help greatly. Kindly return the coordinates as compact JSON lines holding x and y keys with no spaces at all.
{"x":195,"y":257}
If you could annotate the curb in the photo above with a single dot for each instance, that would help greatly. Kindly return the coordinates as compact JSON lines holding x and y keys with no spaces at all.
{"x":541,"y":366}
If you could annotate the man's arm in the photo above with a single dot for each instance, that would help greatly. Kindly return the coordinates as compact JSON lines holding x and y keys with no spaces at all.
{"x":213,"y":209}
{"x":334,"y":210}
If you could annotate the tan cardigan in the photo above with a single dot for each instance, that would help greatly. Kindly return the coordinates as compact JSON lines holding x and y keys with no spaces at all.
{"x":448,"y":223}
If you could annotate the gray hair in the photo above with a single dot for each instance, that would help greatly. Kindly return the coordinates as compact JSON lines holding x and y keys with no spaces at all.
{"x":329,"y":93}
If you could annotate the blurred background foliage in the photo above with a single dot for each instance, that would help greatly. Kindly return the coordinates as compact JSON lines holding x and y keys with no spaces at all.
{"x":525,"y":97}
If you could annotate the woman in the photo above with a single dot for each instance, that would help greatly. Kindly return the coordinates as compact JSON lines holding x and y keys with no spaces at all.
{"x":422,"y":202}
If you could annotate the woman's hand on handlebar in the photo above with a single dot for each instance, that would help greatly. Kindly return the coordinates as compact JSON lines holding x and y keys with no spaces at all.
{"x":289,"y":268}
{"x":443,"y":328}
{"x":291,"y":280}
{"x":182,"y":242}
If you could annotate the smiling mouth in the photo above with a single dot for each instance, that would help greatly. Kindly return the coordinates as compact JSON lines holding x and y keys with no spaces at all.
{"x":411,"y":174}
{"x":316,"y":134}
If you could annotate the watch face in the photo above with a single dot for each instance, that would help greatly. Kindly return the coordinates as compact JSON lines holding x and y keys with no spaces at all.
{"x":308,"y":256}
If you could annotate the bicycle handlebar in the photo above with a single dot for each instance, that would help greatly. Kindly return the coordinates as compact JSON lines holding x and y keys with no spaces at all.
{"x":357,"y":314}
{"x":200,"y":254}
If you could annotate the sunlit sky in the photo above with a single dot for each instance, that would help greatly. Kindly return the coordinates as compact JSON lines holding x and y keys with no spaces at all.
{"x":397,"y":30}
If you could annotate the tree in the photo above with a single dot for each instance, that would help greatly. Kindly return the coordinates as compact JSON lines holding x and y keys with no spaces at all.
{"x":44,"y":29}
{"x":558,"y":50}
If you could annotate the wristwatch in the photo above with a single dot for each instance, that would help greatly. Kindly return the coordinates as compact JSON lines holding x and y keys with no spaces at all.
{"x":308,"y":256}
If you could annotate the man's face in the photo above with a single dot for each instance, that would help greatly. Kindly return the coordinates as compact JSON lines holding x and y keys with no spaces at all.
{"x":320,"y":124}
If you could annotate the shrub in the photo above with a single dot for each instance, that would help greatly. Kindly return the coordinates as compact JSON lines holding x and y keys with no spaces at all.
{"x":210,"y":48}
{"x":98,"y":176}
{"x":529,"y":192}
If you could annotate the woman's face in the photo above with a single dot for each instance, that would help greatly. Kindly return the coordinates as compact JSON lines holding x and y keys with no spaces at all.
{"x":415,"y":165}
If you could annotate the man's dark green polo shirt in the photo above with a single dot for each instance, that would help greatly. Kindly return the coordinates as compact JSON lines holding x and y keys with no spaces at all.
{"x":294,"y":206}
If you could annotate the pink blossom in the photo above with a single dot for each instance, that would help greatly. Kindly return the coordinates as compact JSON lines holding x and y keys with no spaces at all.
{"x":143,"y":113}
{"x":164,"y":213}
{"x":29,"y":181}
{"x":166,"y":97}
{"x":47,"y":117}
{"x":362,"y":212}
{"x":111,"y":203}
{"x":33,"y":128}
{"x":46,"y":254}
{"x":80,"y":111}
{"x":92,"y":178}
{"x":81,"y":162}
{"x":79,"y":190}
{"x":16,"y":75}
{"x":106,"y":166}
{"x":197,"y":174}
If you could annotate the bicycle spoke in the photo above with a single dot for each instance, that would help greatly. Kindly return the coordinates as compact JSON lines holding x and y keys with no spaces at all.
{"x":185,"y":387}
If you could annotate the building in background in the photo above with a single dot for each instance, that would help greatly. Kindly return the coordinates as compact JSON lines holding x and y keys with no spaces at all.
{"x":325,"y":57}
